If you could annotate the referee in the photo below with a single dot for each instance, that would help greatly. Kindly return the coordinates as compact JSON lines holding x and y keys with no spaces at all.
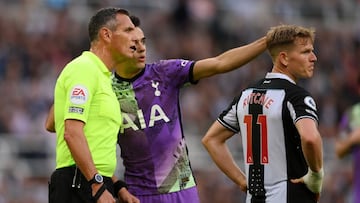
{"x":87,"y":115}
{"x":278,"y":123}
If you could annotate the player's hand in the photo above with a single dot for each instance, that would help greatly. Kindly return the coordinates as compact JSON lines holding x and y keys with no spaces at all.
{"x":312,"y":180}
{"x":243,"y":184}
{"x":106,"y":197}
{"x":126,"y":197}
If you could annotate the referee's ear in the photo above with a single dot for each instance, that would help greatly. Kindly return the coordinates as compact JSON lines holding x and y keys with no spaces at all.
{"x":105,"y":34}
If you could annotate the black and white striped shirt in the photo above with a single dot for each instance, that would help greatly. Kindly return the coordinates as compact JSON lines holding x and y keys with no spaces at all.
{"x":265,"y":115}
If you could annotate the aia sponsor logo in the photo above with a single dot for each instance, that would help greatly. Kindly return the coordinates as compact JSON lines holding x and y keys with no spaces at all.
{"x":78,"y":95}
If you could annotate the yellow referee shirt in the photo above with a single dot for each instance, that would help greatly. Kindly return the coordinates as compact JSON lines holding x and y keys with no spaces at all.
{"x":83,"y":91}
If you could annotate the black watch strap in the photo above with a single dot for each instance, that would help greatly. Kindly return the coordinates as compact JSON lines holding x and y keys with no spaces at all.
{"x":100,"y":191}
{"x":96,"y":179}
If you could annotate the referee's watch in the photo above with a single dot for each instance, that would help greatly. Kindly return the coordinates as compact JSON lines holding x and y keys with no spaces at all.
{"x":98,"y":179}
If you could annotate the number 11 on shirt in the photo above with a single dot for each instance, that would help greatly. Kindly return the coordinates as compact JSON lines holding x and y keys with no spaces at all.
{"x":261,"y":121}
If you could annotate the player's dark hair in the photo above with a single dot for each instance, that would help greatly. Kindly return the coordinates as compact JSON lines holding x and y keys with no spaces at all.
{"x":104,"y":17}
{"x":135,"y":20}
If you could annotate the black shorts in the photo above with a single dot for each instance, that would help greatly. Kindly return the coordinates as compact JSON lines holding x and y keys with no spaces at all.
{"x":66,"y":186}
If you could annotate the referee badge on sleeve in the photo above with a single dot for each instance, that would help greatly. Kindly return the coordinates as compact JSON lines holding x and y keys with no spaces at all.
{"x":78,"y":94}
{"x":77,"y":110}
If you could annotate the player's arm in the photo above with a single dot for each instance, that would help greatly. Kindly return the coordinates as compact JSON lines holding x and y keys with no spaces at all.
{"x":343,"y":147}
{"x":215,"y":143}
{"x":311,"y":144}
{"x":120,"y":189}
{"x":76,"y":141}
{"x":229,"y":60}
{"x":50,"y":120}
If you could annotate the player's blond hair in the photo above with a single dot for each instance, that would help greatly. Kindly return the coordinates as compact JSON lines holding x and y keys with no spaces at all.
{"x":283,"y":36}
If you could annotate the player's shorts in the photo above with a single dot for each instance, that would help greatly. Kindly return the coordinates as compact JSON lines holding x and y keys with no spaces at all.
{"x":189,"y":195}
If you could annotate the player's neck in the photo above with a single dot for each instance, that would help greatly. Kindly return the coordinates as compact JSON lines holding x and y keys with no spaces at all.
{"x":283,"y":70}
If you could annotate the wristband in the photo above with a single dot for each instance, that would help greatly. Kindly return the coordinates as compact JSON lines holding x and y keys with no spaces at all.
{"x":118,"y":185}
{"x":313,"y":180}
{"x":100,"y":191}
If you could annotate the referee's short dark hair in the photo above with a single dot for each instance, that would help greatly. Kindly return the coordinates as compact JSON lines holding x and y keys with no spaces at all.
{"x":105,"y":17}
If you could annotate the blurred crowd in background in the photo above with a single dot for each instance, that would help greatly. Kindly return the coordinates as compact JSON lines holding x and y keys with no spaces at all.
{"x":38,"y":37}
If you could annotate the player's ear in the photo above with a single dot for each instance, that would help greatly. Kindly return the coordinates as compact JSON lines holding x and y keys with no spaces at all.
{"x":283,"y":58}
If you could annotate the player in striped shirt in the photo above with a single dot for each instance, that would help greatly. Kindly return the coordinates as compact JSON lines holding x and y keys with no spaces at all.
{"x":278,"y":123}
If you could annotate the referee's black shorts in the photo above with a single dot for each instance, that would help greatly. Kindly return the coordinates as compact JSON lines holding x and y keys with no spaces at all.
{"x":69,"y":185}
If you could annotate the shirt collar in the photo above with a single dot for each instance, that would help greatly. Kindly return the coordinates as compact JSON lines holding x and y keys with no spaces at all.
{"x":279,"y":75}
{"x":100,"y":64}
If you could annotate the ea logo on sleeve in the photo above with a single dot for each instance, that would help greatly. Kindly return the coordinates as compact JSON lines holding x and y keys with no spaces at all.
{"x":78,"y":95}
